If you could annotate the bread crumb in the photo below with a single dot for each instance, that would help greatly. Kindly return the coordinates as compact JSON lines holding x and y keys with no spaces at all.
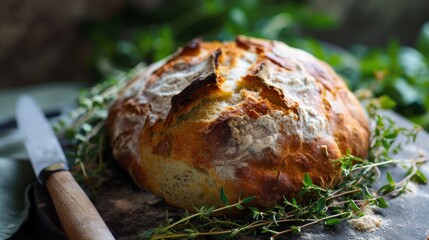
{"x":369,"y":222}
{"x":235,"y":72}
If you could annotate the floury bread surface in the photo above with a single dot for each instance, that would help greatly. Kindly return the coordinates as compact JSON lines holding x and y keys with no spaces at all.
{"x":251,"y":116}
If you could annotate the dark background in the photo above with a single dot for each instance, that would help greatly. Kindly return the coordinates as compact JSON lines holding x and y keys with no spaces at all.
{"x":46,"y":40}
{"x":378,"y":45}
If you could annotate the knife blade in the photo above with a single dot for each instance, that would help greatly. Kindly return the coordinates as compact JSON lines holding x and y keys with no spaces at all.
{"x":40,"y":141}
{"x":76,"y":212}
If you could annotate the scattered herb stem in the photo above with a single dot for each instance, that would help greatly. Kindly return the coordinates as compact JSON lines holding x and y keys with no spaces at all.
{"x":311,"y":222}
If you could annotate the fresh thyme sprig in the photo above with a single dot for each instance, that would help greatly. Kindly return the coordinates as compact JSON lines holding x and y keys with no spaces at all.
{"x":84,"y":127}
{"x":385,"y":131}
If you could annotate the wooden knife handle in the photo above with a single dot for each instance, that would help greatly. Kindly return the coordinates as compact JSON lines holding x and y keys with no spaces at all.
{"x":77,"y":214}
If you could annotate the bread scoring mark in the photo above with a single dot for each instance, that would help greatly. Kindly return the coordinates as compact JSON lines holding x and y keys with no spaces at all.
{"x":297,"y":85}
{"x":299,"y":91}
{"x":286,"y":63}
{"x":253,"y":132}
{"x":253,"y":44}
{"x":190,"y":94}
{"x":234,"y":67}
{"x":263,"y":72}
{"x":176,"y":61}
{"x":250,"y":138}
{"x":250,"y":106}
{"x":195,"y":90}
{"x":160,"y":92}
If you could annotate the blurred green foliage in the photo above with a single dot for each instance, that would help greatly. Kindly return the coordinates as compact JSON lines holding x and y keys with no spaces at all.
{"x":131,"y":37}
{"x":400,"y":72}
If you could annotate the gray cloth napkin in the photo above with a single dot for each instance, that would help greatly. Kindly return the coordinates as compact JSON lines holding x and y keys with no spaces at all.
{"x":16,"y":171}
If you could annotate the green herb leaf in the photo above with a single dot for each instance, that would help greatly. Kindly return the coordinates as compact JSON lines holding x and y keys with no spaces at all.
{"x":295,"y":229}
{"x":239,"y":206}
{"x":209,"y":210}
{"x":386,"y":144}
{"x":295,"y":203}
{"x":385,"y":189}
{"x":223,"y":196}
{"x":367,"y":193}
{"x":248,"y":199}
{"x":332,"y":221}
{"x":392,"y":135}
{"x":381,"y":202}
{"x":354,"y":206}
{"x":307,"y":180}
{"x":419,"y":177}
{"x":321,"y":204}
{"x":392,"y":182}
{"x":386,"y":102}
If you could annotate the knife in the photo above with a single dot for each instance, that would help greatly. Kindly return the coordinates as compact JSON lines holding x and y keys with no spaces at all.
{"x":77,"y":214}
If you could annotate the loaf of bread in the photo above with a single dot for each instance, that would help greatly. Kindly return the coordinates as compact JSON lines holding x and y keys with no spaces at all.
{"x":250,"y":116}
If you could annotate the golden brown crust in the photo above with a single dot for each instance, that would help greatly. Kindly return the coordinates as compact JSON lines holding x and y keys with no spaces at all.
{"x":251,"y":116}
